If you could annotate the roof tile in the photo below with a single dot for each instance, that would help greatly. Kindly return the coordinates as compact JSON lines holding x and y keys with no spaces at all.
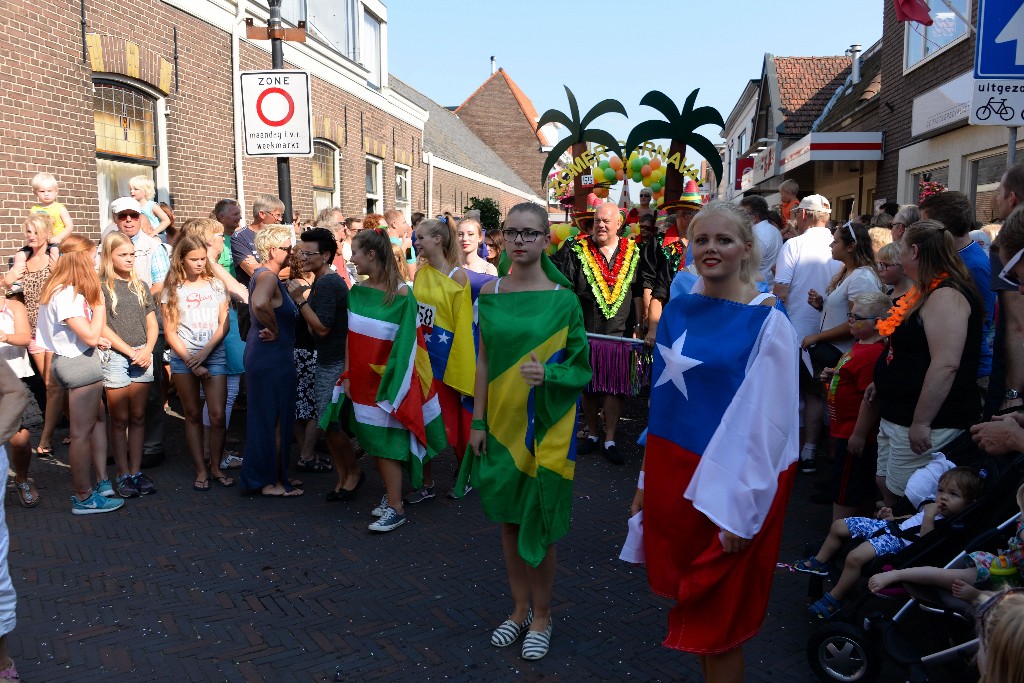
{"x":805,"y":86}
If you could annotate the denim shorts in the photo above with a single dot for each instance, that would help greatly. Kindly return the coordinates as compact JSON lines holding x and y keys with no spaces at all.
{"x":80,"y":371}
{"x":119,"y":372}
{"x":216,"y":363}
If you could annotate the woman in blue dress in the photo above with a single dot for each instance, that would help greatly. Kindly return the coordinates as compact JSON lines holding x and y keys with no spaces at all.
{"x":270,"y":371}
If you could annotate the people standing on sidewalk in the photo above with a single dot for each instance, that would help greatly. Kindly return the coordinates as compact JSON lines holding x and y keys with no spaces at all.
{"x":721,"y":473}
{"x":533,"y":364}
{"x":13,"y":398}
{"x":132,"y":330}
{"x":195,"y":311}
{"x":15,"y":337}
{"x":269,"y":364}
{"x":266,"y":210}
{"x":71,"y":321}
{"x":325,"y":312}
{"x":445,"y":320}
{"x":307,"y":429}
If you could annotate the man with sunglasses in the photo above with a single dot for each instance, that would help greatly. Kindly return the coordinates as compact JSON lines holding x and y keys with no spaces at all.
{"x":1006,"y":383}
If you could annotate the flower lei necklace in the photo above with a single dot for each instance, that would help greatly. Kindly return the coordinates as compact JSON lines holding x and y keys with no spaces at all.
{"x":674,"y":252}
{"x":610,"y":287}
{"x":907,"y":302}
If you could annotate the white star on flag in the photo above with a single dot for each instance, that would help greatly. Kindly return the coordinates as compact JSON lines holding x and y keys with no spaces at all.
{"x":444,"y":337}
{"x":676,"y":364}
{"x":428,"y":337}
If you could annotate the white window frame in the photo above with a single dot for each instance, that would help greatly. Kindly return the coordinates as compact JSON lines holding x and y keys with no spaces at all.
{"x":378,"y":72}
{"x":377,"y":198}
{"x":336,"y":193}
{"x":405,"y":208}
{"x":907,"y":66}
{"x":162,"y":172}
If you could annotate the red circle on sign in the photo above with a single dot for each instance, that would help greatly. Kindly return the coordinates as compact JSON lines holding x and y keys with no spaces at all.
{"x":282,"y":93}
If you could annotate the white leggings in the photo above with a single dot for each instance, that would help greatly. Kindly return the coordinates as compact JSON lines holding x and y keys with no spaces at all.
{"x":234,"y":381}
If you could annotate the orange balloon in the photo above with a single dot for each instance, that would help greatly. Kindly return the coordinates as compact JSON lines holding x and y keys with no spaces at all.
{"x":618,"y":173}
{"x":645,"y":170}
{"x":655,"y":163}
{"x":615,"y":163}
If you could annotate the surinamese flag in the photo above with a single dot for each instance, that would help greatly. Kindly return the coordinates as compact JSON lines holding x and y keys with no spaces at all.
{"x":395,"y":411}
{"x":525,"y":477}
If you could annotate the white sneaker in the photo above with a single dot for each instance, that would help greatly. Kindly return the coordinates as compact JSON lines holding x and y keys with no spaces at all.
{"x":381,"y":508}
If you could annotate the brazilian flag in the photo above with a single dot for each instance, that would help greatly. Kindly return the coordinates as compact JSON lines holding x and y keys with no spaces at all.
{"x":525,"y":477}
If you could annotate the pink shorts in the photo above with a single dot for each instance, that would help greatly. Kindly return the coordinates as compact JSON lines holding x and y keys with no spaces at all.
{"x":33,"y":348}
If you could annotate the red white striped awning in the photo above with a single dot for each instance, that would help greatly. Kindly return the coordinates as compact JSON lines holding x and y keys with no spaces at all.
{"x":832,"y":147}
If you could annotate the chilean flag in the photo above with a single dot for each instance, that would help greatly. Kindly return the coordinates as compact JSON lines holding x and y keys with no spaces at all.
{"x":722,"y":446}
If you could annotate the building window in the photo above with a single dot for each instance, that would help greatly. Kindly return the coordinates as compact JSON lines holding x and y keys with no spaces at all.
{"x":937,"y":174}
{"x":924,"y":41}
{"x":373,"y":185}
{"x":741,"y":143}
{"x":402,"y":190}
{"x":326,"y":183}
{"x":127,"y":139}
{"x":370,"y":53}
{"x":985,"y":176}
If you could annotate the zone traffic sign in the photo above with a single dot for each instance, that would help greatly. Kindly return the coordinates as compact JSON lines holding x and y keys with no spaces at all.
{"x":277,"y":115}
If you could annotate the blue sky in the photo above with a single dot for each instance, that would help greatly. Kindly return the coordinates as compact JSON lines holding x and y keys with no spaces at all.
{"x":619,"y":50}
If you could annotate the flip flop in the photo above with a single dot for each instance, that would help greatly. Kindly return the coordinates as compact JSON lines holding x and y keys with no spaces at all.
{"x":294,"y":493}
{"x":224,"y":481}
{"x":43,"y":451}
{"x":201,"y":485}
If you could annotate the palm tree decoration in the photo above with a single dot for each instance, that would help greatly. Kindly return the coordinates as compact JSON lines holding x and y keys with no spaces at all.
{"x":578,"y":137}
{"x":680,"y":127}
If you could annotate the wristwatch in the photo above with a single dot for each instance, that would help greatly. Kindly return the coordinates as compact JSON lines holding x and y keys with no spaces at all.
{"x":303,"y":303}
{"x":1011,"y":394}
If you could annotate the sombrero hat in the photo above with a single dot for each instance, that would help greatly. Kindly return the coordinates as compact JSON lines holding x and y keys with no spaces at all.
{"x":690,"y":199}
{"x":584,"y":220}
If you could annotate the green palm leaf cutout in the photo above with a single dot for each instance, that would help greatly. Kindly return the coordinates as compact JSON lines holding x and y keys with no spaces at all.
{"x":577,"y":129}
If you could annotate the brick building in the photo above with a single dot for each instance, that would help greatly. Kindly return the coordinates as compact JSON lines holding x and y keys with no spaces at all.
{"x":149,"y":89}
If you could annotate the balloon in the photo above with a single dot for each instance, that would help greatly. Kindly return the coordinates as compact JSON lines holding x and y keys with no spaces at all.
{"x":645,"y":161}
{"x":660,"y":201}
{"x":609,"y":175}
{"x":636,"y":177}
{"x":645,"y":171}
{"x":604,"y":163}
{"x":573,"y":231}
{"x":619,"y":175}
{"x":656,"y":174}
{"x":655,"y":186}
{"x":636,"y":164}
{"x":655,"y":163}
{"x":615,"y":163}
{"x":646,"y":182}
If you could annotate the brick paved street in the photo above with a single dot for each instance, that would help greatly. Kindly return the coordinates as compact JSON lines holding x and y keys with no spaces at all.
{"x":217,"y":586}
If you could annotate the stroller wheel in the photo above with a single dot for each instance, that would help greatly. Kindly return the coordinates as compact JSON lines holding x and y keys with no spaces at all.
{"x":843,"y":652}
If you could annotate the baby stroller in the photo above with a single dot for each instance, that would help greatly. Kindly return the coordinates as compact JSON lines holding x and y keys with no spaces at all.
{"x":853,"y":645}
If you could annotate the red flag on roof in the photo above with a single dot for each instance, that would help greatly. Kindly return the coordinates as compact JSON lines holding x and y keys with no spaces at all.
{"x":913,"y":10}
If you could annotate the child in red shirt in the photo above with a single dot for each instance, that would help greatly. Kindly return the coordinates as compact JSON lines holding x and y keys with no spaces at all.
{"x":853,"y":423}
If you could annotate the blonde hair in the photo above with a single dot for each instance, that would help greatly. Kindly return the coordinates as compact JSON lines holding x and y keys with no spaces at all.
{"x":432,"y":227}
{"x":144,"y":183}
{"x":739,"y":219}
{"x":1002,"y":636}
{"x":790,"y":186}
{"x":873,"y":303}
{"x":43,"y":180}
{"x":937,"y":254}
{"x":403,"y":267}
{"x":176,"y":275}
{"x":889,"y":253}
{"x":108,"y":276}
{"x":376,"y":240}
{"x":201,"y":228}
{"x":879,"y":238}
{"x":76,"y":269}
{"x":41,"y":223}
{"x":270,"y":237}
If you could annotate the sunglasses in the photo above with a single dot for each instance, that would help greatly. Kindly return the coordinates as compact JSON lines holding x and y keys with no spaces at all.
{"x":129,"y":214}
{"x":1006,"y":275}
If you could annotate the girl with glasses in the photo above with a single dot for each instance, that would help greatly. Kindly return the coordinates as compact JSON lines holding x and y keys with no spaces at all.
{"x":890,"y":272}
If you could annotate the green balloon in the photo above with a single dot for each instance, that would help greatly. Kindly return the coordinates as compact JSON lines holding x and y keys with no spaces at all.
{"x":636,"y":165}
{"x":644,"y":161}
{"x":638,"y":177}
{"x":655,"y":187}
{"x":604,"y":163}
{"x":609,"y":175}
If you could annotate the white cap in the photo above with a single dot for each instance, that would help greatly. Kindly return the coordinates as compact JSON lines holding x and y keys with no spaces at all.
{"x":122,"y":204}
{"x":815,"y":202}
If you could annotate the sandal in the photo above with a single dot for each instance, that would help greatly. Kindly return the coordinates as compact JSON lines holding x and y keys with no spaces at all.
{"x":25,"y":495}
{"x":811,"y":565}
{"x":224,"y":481}
{"x":826,"y":607}
{"x":43,"y":451}
{"x":10,"y":673}
{"x":314,"y":465}
{"x":201,"y":485}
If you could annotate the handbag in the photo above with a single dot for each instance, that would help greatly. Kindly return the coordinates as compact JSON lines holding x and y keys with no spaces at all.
{"x":823,"y":355}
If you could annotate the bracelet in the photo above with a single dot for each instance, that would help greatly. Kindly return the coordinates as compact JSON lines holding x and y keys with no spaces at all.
{"x":640,"y":481}
{"x":302,"y":303}
{"x":480,"y":425}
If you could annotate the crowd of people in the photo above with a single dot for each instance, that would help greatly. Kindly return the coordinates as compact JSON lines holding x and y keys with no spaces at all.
{"x":779,"y":338}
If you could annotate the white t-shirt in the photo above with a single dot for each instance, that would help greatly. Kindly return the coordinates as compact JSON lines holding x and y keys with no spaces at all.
{"x":16,"y":356}
{"x":837,"y":304}
{"x":52,"y":331}
{"x":805,"y":263}
{"x":769,"y":241}
{"x":198,"y":312}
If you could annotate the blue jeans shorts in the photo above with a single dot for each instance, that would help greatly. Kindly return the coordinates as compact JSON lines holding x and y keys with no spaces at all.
{"x":118,"y":371}
{"x":216,"y":363}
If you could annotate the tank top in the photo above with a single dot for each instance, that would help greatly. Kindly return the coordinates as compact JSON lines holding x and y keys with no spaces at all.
{"x":16,"y":356}
{"x":53,"y":211}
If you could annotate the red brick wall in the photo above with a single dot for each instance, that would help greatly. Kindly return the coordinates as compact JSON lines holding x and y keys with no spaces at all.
{"x":898,"y":91}
{"x":452,"y":193}
{"x":46,"y":107}
{"x":495,"y":116}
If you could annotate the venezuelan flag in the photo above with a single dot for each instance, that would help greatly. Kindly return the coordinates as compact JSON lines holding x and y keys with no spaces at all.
{"x":526,"y":475}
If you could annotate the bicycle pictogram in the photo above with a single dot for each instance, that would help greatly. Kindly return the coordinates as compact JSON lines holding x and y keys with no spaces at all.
{"x":997,"y":107}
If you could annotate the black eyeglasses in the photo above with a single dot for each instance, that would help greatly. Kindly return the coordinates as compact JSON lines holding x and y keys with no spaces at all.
{"x":309,"y":254}
{"x":851,"y":317}
{"x":129,"y":214}
{"x":527,"y":235}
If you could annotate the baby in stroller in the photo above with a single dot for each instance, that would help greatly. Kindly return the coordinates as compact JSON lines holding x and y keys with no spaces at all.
{"x":957,"y":488}
{"x":961,"y":581}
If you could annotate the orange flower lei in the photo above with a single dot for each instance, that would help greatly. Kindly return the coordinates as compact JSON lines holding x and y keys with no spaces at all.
{"x":907,"y":302}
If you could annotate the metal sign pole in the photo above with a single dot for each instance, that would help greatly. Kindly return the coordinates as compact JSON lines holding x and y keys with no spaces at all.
{"x":1011,"y":151}
{"x":284,"y":171}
